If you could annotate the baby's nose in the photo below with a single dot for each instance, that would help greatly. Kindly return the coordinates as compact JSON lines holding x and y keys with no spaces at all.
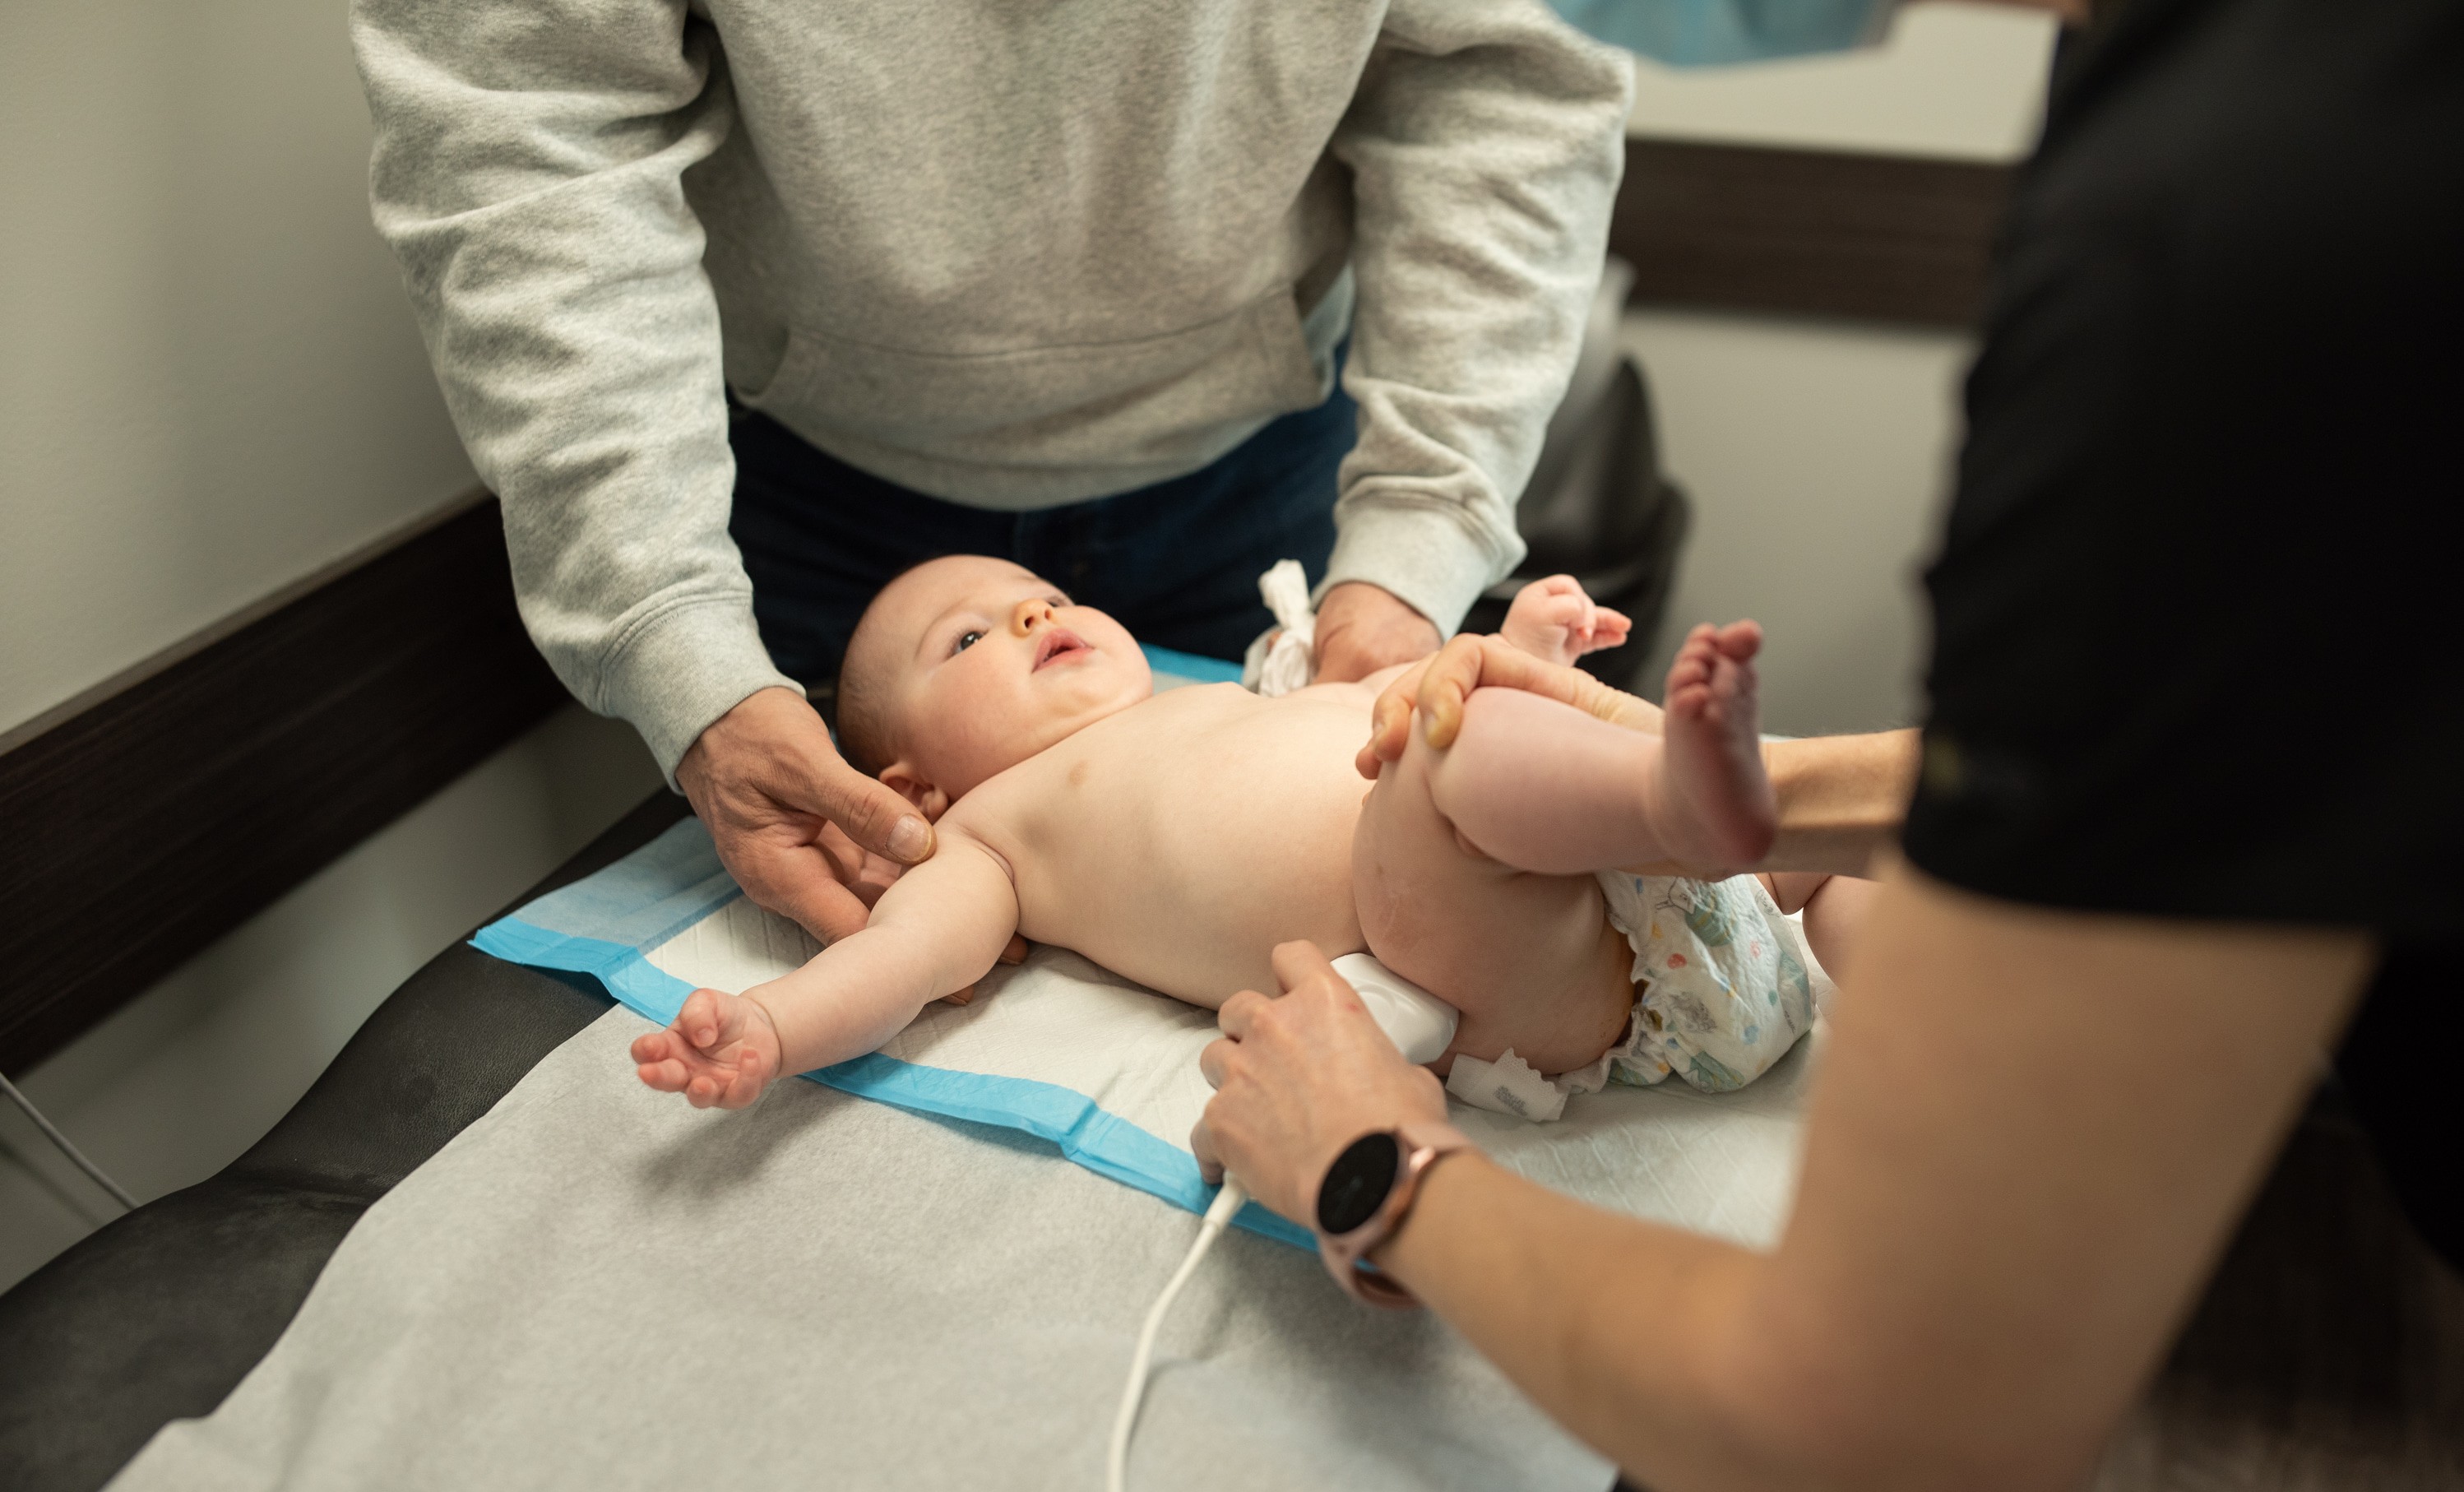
{"x":1027,"y":615}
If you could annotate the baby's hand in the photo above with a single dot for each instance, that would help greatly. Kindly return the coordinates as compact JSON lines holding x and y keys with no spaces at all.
{"x":723,"y":1050}
{"x":1555,"y":621}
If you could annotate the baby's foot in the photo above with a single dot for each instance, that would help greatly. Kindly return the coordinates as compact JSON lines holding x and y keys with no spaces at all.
{"x":1555,"y":621}
{"x":722,"y":1050}
{"x":1712,"y":800}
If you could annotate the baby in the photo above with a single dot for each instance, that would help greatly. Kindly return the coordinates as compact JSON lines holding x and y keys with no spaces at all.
{"x":1177,"y":838}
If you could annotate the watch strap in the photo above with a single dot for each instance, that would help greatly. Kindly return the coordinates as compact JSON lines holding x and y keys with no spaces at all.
{"x":1423,"y":1144}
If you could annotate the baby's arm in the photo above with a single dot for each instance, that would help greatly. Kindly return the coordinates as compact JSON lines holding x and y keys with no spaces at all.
{"x":936,"y":930}
{"x":1555,"y":620}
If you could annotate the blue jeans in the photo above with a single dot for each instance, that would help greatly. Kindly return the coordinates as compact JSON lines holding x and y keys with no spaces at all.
{"x":1177,"y":562}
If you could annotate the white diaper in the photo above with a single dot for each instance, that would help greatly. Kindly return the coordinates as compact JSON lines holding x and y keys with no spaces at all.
{"x":1727,"y":987}
{"x":1728,"y":984}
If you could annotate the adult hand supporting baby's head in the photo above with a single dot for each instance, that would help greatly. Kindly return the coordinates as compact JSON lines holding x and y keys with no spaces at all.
{"x":805,"y":835}
{"x":1437,"y":687}
{"x":1297,"y":1079}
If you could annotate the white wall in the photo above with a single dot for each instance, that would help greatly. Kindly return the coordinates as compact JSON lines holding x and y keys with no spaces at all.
{"x":1817,"y":452}
{"x":1962,"y":81}
{"x":210,"y":385}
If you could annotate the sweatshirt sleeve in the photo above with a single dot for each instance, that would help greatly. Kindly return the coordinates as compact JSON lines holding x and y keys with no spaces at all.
{"x":527,"y":175}
{"x":1484,"y":146}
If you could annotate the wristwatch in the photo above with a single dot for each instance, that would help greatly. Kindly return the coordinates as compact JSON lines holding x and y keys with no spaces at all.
{"x":1365,"y":1196}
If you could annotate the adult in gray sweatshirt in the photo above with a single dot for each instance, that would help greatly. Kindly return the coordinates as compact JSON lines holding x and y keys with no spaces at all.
{"x":973,"y":258}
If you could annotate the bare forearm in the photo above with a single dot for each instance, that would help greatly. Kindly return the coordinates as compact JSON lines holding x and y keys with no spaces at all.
{"x":859,"y":993}
{"x":1612,"y":1325}
{"x":1841,"y":798}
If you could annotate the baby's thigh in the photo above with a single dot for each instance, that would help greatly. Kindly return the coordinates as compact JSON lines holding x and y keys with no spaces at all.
{"x":1528,"y":959}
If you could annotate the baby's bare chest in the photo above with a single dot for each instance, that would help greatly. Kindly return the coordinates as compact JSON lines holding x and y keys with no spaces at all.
{"x":1178,"y":844}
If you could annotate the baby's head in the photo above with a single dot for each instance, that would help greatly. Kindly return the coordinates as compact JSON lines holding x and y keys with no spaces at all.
{"x":966,"y":665}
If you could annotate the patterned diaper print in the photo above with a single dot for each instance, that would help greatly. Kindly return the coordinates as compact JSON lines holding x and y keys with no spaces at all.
{"x":1726,"y":978}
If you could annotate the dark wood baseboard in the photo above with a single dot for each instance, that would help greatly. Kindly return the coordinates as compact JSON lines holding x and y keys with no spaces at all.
{"x":1808,"y":233}
{"x":162,"y":808}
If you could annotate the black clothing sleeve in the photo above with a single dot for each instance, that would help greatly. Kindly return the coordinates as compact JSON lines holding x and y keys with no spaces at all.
{"x":2196,"y":642}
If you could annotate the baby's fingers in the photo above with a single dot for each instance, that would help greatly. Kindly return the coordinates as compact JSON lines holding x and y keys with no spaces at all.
{"x":704,"y":1020}
{"x":1609,"y":628}
{"x":665,"y":1076}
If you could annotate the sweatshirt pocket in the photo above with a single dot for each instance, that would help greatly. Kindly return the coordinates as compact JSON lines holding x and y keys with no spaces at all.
{"x":1097,"y":403}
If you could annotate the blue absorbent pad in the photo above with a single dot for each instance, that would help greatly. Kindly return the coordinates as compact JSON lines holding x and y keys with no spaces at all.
{"x":1108,"y":1071}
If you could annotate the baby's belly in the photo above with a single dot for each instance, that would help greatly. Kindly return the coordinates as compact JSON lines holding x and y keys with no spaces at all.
{"x":1185,"y":879}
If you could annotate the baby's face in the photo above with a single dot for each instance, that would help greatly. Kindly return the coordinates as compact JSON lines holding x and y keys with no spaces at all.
{"x":982,"y":664}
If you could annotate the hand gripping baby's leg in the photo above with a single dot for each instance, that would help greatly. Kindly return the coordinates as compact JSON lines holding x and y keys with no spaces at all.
{"x":722,"y":1049}
{"x":1544,"y":787}
{"x":1529,"y":960}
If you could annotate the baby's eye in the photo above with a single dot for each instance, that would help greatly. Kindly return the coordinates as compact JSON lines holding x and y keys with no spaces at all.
{"x":966,"y":639}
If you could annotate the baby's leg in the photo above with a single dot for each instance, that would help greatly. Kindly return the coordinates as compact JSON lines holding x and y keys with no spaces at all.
{"x":1528,"y":959}
{"x":1544,"y":786}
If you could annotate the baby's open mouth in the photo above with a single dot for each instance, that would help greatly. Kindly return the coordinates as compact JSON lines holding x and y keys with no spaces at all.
{"x":1058,"y":642}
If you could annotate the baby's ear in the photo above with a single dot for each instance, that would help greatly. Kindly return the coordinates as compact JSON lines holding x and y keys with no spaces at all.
{"x":929,"y":800}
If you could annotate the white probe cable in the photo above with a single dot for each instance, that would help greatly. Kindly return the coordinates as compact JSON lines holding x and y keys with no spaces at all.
{"x":119,"y":1193}
{"x":1421,"y":1026}
{"x":1116,"y":1461}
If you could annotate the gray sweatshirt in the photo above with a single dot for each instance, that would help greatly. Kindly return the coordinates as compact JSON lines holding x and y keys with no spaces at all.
{"x":1009,"y":254}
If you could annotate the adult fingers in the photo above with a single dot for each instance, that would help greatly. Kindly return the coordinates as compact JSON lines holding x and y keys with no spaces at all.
{"x":860,"y":871}
{"x":1214,"y":1063}
{"x":1201,"y":1144}
{"x":1299,"y":962}
{"x":867,"y":810}
{"x":1015,"y":950}
{"x":798,"y":885}
{"x":1239,"y":1016}
{"x":1503,"y":666}
{"x":1446,"y":683}
{"x":1390,"y":720}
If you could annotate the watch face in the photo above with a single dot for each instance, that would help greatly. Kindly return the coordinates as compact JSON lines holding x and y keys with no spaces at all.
{"x":1356,"y":1184}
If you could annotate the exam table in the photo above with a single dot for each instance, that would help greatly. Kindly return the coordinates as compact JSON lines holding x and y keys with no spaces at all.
{"x":2329,"y":1350}
{"x":159,"y":1313}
